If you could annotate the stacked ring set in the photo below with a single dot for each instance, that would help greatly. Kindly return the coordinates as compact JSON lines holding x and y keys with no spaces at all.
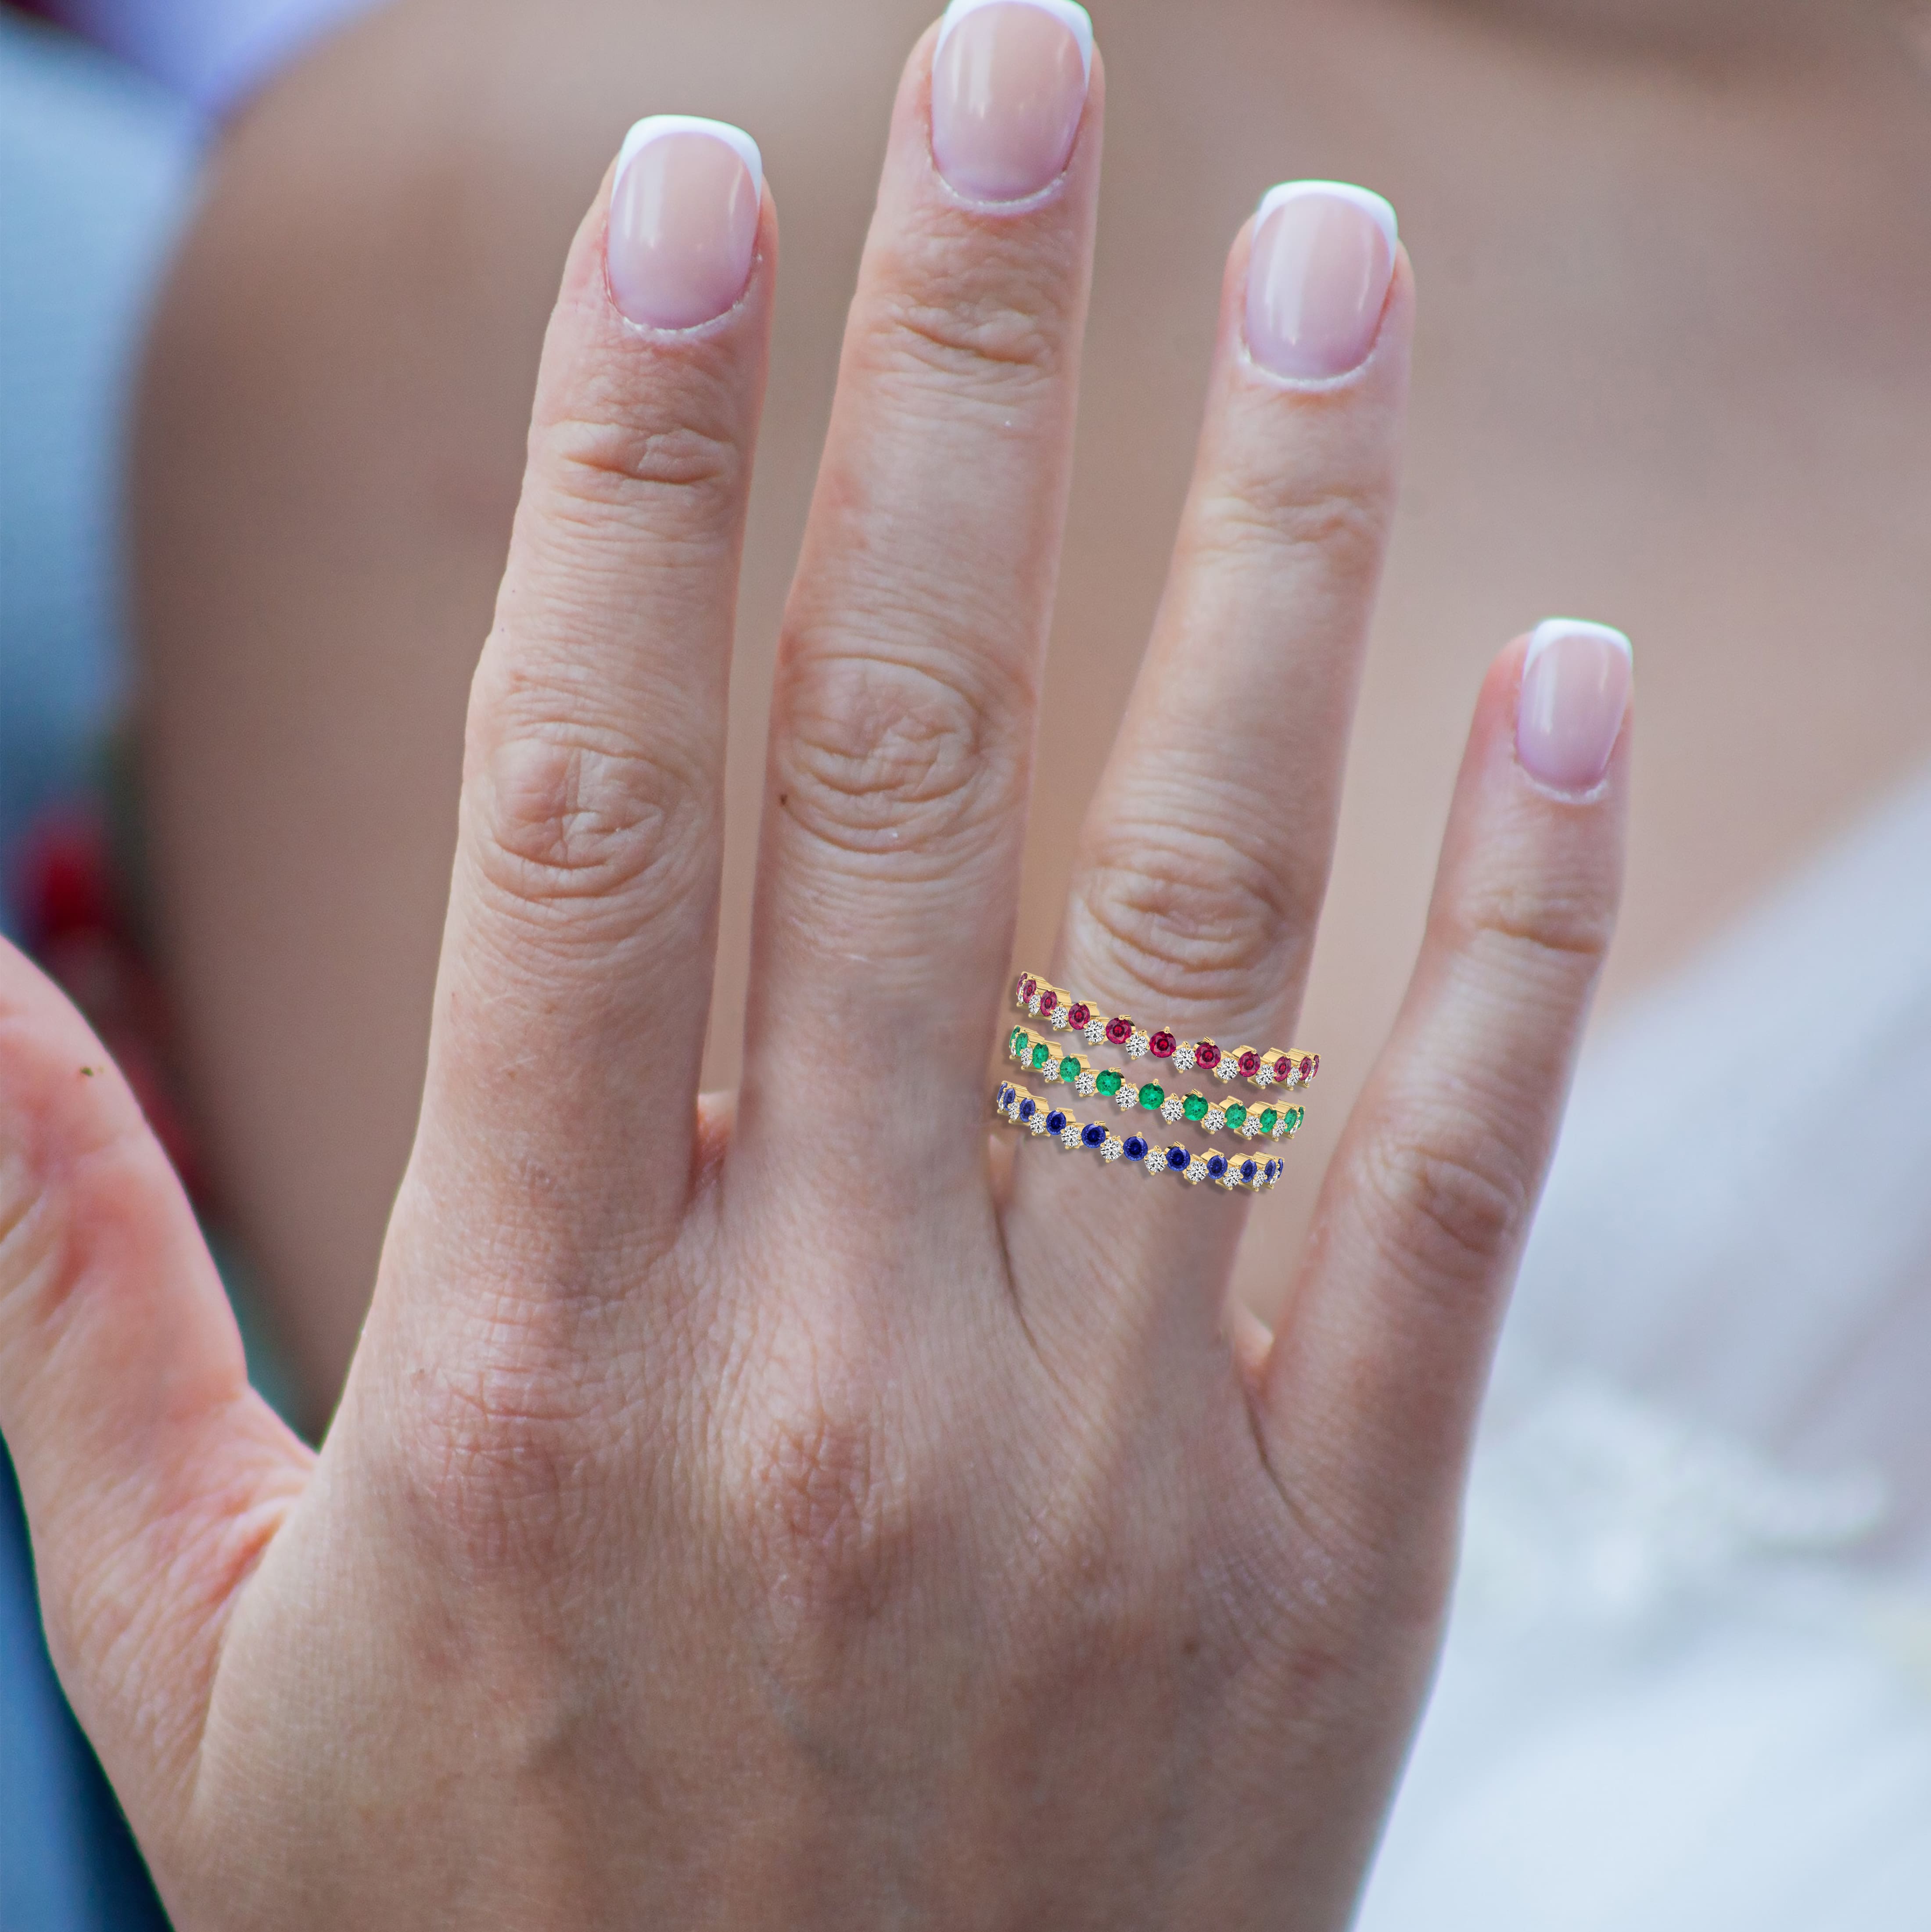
{"x":1056,"y":1011}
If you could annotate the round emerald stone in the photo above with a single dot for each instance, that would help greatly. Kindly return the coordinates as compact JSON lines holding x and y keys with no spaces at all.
{"x":1236,"y":1114}
{"x":1194,"y":1107}
{"x":1295,"y":1117}
{"x":1041,"y":1054}
{"x":1109,"y":1082}
{"x":1268,"y":1117}
{"x":1017,"y":1044}
{"x":1150,"y":1097}
{"x":1070,"y":1069}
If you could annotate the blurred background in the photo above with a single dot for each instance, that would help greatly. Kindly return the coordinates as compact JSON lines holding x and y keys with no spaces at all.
{"x":273,"y":278}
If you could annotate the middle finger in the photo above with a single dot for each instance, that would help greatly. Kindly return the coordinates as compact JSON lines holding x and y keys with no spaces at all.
{"x":903,"y":714}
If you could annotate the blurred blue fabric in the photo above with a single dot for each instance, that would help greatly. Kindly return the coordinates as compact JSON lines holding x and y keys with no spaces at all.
{"x":97,"y":167}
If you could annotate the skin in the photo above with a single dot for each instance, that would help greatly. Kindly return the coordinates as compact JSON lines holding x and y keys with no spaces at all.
{"x":773,"y":1511}
{"x":332,"y":431}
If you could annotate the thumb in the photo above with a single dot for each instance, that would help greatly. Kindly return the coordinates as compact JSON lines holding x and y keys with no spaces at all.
{"x":153,"y":1476}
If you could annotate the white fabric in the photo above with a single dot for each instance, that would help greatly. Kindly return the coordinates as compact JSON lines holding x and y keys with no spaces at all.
{"x":1688,"y":1679}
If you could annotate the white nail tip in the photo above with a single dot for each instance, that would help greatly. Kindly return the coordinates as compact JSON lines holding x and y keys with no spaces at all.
{"x":1380,"y":211}
{"x":654,"y":127}
{"x":1074,"y":19}
{"x":1553,"y":630}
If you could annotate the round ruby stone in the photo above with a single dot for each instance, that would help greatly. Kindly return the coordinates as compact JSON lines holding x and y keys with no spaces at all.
{"x":1161,"y":1046}
{"x":1080,"y":1014}
{"x":1118,"y":1032}
{"x":1048,"y":1000}
{"x":1249,"y":1064}
{"x":1307,"y":1070}
{"x":1031,"y":987}
{"x":1284,"y":1070}
{"x":1206,"y":1055}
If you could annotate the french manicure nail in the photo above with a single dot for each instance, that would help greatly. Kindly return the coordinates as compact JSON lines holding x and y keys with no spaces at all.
{"x":1322,"y":255}
{"x":1009,"y":86}
{"x":683,"y":220}
{"x":1575,"y":687}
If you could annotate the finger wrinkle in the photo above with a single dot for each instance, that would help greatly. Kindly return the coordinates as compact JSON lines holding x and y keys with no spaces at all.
{"x":882,"y":755}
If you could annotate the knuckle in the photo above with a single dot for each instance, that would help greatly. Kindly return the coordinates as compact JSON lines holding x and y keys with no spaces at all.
{"x":1538,"y":925}
{"x":1452,"y":1200}
{"x":973,"y":335}
{"x":497,"y":1458}
{"x":558,"y":817}
{"x":1193,"y":914}
{"x":628,"y":460}
{"x":881,"y":756}
{"x":819,"y":1494}
{"x":1343,"y":522}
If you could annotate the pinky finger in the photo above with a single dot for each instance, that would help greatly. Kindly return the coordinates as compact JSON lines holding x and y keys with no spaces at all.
{"x":1371,"y":1389}
{"x":150,"y":1473}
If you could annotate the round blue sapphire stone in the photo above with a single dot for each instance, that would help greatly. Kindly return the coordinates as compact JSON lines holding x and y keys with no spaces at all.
{"x":1006,"y":1097}
{"x":1135,"y":1148}
{"x":1178,"y":1159}
{"x":1093,"y":1136}
{"x":1246,"y":1170}
{"x":1056,"y":1122}
{"x":1216,"y":1165}
{"x":1028,"y":1108}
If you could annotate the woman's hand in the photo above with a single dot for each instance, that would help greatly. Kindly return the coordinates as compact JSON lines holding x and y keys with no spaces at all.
{"x":779,"y":1512}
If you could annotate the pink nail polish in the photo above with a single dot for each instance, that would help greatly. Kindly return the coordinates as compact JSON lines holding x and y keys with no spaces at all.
{"x":1008,"y":86}
{"x":683,"y":220}
{"x":1575,"y":687}
{"x":1323,"y":253}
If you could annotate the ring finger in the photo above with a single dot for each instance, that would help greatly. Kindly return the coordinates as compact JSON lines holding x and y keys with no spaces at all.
{"x":1205,"y":856}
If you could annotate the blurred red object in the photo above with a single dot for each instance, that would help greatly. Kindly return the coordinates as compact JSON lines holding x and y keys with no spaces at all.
{"x":76,"y":926}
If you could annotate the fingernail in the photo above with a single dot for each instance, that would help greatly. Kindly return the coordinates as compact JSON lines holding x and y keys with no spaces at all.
{"x":1324,"y":253}
{"x":1575,"y":687}
{"x":1009,"y":86}
{"x":683,"y":220}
